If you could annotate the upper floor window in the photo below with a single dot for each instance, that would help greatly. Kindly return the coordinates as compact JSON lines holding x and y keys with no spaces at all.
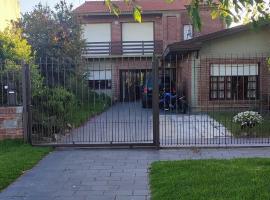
{"x":138,"y":38}
{"x":98,"y":38}
{"x":188,"y":31}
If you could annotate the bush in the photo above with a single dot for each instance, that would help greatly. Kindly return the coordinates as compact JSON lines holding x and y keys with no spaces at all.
{"x":51,"y":110}
{"x":248,"y":119}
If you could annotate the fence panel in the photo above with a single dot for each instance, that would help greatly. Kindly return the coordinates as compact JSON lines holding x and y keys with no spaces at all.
{"x":94,"y":102}
{"x":10,"y":84}
{"x":202,"y":97}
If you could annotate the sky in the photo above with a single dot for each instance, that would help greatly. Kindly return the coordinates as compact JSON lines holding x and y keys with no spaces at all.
{"x":27,"y":5}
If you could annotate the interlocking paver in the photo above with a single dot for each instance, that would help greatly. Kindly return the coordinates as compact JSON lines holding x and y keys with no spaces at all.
{"x":104,"y":174}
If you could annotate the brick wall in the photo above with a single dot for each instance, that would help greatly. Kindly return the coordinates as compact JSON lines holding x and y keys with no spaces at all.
{"x":208,"y":25}
{"x":203,"y":83}
{"x":184,"y":77}
{"x":11,"y":123}
{"x":168,"y":26}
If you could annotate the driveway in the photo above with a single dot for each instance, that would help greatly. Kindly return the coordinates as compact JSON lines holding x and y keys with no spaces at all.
{"x":70,"y":174}
{"x":130,"y":123}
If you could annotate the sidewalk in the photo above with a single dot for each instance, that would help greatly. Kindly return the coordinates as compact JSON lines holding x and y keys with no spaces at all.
{"x":86,"y":174}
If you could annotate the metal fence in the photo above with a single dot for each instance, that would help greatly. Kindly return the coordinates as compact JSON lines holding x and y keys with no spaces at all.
{"x":10,"y":84}
{"x":216,"y":89}
{"x":91,"y":103}
{"x":176,"y":101}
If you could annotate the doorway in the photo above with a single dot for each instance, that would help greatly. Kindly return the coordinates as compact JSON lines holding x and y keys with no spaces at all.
{"x":131,"y":82}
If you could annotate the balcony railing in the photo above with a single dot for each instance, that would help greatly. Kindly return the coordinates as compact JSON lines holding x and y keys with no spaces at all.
{"x":122,"y":48}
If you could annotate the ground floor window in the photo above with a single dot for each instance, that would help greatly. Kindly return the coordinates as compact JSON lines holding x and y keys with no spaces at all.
{"x":238,"y":82}
{"x":100,"y":79}
{"x":100,"y":84}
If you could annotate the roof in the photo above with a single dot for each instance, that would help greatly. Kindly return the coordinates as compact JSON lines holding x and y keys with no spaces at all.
{"x":98,"y":7}
{"x":195,"y":44}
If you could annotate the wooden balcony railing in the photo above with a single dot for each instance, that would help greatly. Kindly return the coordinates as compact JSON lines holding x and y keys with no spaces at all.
{"x":122,"y":48}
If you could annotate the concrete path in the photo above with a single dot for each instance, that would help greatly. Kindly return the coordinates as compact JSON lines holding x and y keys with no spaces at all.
{"x":70,"y":174}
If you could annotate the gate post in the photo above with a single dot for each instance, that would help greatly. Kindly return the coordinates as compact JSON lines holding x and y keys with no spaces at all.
{"x":26,"y":90}
{"x":155,"y":102}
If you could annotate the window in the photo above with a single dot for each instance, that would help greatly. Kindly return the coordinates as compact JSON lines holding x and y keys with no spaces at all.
{"x":188,"y":31}
{"x":138,"y":38}
{"x":238,"y":82}
{"x":100,"y":79}
{"x":100,"y":84}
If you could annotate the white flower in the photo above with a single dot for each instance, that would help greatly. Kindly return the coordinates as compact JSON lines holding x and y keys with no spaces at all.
{"x":248,"y":118}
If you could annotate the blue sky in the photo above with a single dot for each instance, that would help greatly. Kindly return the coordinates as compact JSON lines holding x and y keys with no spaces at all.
{"x":27,"y":5}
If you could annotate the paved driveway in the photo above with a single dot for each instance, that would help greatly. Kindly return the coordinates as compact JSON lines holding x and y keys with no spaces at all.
{"x":104,"y":174}
{"x":130,"y":123}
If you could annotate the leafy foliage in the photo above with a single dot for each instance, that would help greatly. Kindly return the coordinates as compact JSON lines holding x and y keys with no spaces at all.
{"x":51,"y":109}
{"x":52,"y":32}
{"x":13,"y":47}
{"x":229,"y":10}
{"x":14,"y":50}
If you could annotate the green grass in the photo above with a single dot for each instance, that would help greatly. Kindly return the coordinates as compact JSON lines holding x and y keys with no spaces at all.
{"x":238,"y":179}
{"x":225,"y":118}
{"x":82,"y":113}
{"x":17,"y":157}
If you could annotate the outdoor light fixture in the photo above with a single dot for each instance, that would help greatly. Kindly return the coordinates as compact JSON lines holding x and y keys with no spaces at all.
{"x":5,"y":87}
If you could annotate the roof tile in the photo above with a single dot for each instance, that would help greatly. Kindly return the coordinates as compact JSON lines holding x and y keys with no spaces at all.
{"x":92,"y":7}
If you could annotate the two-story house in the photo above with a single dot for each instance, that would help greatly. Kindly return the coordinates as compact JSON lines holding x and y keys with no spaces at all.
{"x":119,"y":51}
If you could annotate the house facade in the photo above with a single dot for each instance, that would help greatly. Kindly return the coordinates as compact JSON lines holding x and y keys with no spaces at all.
{"x":9,"y":10}
{"x":227,"y":69}
{"x":119,"y":52}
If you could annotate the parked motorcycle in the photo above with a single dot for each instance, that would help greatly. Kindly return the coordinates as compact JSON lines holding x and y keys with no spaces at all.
{"x":169,"y":101}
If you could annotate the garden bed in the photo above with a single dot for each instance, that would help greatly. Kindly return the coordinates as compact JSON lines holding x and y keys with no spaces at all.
{"x":226,"y":119}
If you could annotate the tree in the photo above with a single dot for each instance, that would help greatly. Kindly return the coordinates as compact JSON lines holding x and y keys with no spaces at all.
{"x":230,"y":10}
{"x":52,"y":33}
{"x":13,"y":47}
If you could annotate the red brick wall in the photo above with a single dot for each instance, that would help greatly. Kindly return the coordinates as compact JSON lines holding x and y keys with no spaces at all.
{"x":208,"y":25}
{"x":168,"y":26}
{"x":171,"y":29}
{"x":11,"y":123}
{"x":116,"y":22}
{"x":183,"y":71}
{"x":203,"y":84}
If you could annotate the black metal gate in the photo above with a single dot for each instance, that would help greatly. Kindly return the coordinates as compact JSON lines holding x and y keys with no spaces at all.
{"x":95,"y":102}
{"x":144,"y":101}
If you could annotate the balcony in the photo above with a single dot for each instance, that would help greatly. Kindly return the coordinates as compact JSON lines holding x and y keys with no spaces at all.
{"x":126,"y":48}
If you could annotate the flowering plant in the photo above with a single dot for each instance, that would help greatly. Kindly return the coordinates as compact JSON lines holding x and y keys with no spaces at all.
{"x":248,"y":119}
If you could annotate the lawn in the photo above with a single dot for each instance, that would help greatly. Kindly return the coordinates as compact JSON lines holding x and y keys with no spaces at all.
{"x":245,"y":179}
{"x":16,"y":157}
{"x":225,"y":118}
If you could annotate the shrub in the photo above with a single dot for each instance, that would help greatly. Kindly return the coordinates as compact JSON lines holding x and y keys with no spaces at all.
{"x":51,"y":109}
{"x":248,"y":119}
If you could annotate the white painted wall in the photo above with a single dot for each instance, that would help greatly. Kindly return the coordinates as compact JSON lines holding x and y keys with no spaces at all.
{"x":97,"y":32}
{"x":250,"y":43}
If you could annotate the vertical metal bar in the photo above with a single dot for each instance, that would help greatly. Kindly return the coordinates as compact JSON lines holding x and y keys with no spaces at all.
{"x":155,"y":103}
{"x":27,"y":124}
